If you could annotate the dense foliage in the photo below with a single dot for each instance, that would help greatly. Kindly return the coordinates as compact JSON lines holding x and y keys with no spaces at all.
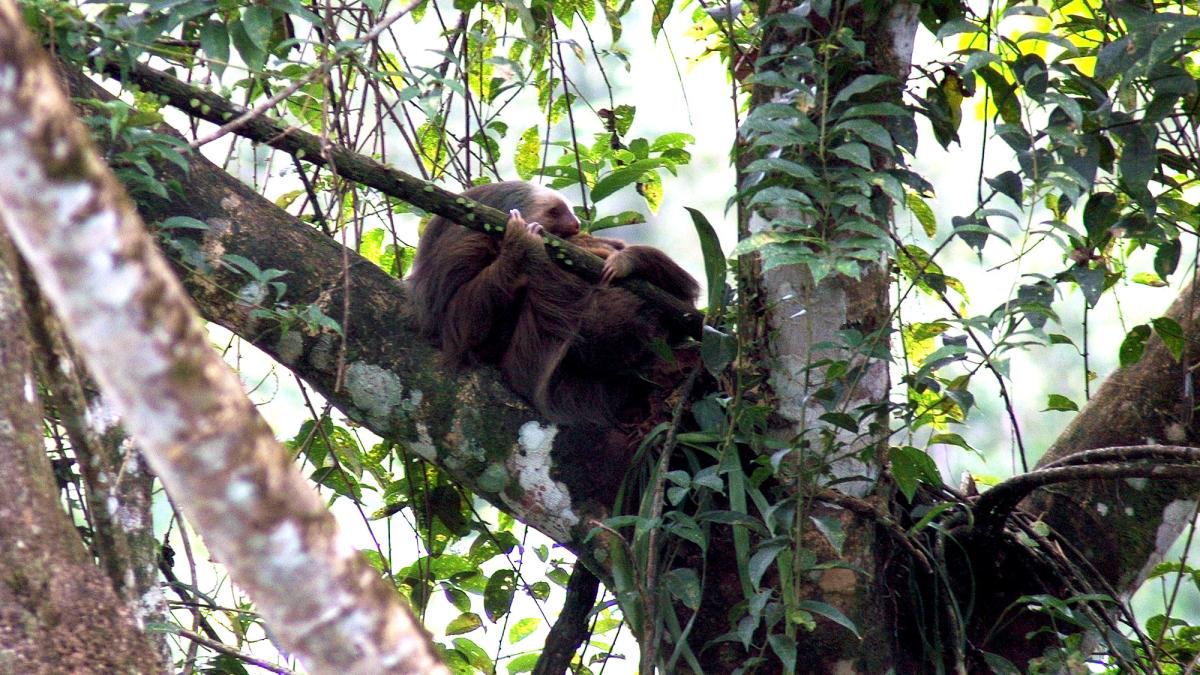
{"x":1084,"y":190}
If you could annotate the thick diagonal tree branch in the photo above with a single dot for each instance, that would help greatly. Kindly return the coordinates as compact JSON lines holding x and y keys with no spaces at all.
{"x":209,"y":106}
{"x":1126,"y":526}
{"x":137,"y":332}
{"x":391,"y":379}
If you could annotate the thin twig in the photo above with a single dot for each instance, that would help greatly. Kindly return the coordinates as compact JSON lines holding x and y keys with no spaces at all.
{"x":230,"y":651}
{"x":287,"y":91}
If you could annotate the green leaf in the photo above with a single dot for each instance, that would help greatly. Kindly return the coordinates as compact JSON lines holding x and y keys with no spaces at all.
{"x":1060,"y":402}
{"x":622,"y":177}
{"x":761,"y":561}
{"x":623,"y":118}
{"x":871,"y":132}
{"x":1148,"y":279}
{"x":1166,"y":259}
{"x":523,"y":628}
{"x":911,"y":467}
{"x":182,"y":222}
{"x":856,"y":153}
{"x":684,"y":585}
{"x":1000,"y":665}
{"x":254,"y":57}
{"x":1138,"y":157}
{"x":1007,"y":184}
{"x":784,"y":647}
{"x":257,"y":22}
{"x":714,"y":262}
{"x":1171,"y":333}
{"x":446,"y":503}
{"x":463,"y":623}
{"x":498,"y":595}
{"x":1091,"y":282}
{"x":861,"y":84}
{"x":1133,"y":345}
{"x":717,"y":349}
{"x":524,"y":663}
{"x":1003,"y":95}
{"x":475,"y":655}
{"x":829,"y":612}
{"x":528,"y":157}
{"x":214,"y":40}
{"x":923,"y":213}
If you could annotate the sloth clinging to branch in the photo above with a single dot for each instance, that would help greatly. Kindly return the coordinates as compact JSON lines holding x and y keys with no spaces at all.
{"x":571,"y":347}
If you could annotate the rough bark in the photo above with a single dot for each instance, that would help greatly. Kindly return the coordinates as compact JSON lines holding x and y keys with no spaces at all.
{"x":801,"y":315}
{"x":132,"y":323}
{"x":207,"y":105}
{"x":1125,"y":527}
{"x":117,"y":484}
{"x":58,"y":612}
{"x":383,"y":374}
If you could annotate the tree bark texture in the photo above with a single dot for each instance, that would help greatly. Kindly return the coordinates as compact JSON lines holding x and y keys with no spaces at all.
{"x":131,"y":321}
{"x":1125,"y":527}
{"x":383,"y":374}
{"x":117,"y":485}
{"x":58,"y":611}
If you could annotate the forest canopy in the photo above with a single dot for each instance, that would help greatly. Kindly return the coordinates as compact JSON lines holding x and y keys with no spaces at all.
{"x":933,"y":410}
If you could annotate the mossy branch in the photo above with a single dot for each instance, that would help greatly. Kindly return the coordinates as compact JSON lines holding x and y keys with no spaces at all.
{"x":206,"y":105}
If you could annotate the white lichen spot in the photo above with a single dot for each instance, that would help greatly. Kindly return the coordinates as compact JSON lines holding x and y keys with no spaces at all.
{"x":230,"y":202}
{"x":8,"y":83}
{"x":375,"y":391}
{"x":1175,"y":517}
{"x":286,"y":548}
{"x":549,"y":498}
{"x":60,"y":149}
{"x":252,"y":294}
{"x":290,"y":346}
{"x":240,"y":492}
{"x":413,"y":401}
{"x":211,"y":451}
{"x":1138,"y":484}
{"x":424,"y":446}
{"x":1102,"y":508}
{"x":29,"y":389}
{"x":1176,"y":432}
{"x":130,"y":519}
{"x":152,"y":603}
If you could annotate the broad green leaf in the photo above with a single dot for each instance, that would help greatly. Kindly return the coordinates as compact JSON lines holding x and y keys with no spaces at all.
{"x":714,"y":262}
{"x":829,"y":612}
{"x":214,"y":40}
{"x":623,"y":176}
{"x":1004,"y":95}
{"x":498,"y":595}
{"x":463,"y":623}
{"x":923,"y":213}
{"x":523,"y":628}
{"x":911,"y":467}
{"x":1171,"y":333}
{"x":1133,"y":345}
{"x":528,"y":158}
{"x":257,"y":22}
{"x":1060,"y":402}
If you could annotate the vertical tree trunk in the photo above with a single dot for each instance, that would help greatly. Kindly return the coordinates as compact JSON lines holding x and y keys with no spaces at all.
{"x":58,"y":612}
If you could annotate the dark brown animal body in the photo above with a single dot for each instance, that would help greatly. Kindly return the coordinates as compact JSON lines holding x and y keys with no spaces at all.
{"x":571,"y":347}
